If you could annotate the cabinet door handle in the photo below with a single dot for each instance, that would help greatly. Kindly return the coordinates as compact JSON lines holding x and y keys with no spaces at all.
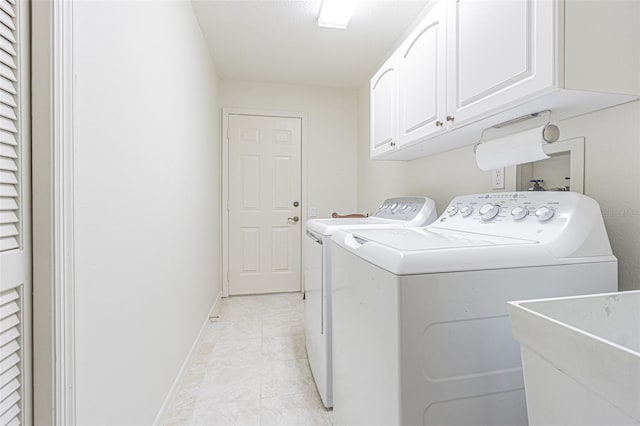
{"x":439,"y":123}
{"x":450,"y":118}
{"x":392,"y":144}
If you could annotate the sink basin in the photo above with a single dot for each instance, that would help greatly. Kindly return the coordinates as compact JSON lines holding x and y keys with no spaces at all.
{"x":581,"y":358}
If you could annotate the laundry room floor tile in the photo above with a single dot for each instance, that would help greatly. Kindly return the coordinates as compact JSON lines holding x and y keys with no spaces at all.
{"x":283,"y":348}
{"x":299,"y":409}
{"x":282,"y":378}
{"x":251,"y":368}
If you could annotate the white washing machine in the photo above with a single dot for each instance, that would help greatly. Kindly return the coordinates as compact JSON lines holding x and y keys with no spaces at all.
{"x":399,"y":212}
{"x":421,"y":333}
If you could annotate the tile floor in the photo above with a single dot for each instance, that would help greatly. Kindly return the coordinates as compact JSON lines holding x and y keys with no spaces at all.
{"x":251,"y":368}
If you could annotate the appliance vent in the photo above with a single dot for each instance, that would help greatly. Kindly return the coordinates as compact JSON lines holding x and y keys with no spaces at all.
{"x":9,"y":148}
{"x":11,"y":357}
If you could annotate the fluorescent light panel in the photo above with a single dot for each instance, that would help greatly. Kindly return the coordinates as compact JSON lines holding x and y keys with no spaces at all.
{"x":336,"y":13}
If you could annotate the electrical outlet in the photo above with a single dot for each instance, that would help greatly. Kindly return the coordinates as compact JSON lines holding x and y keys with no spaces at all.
{"x":497,"y":178}
{"x":313,"y":211}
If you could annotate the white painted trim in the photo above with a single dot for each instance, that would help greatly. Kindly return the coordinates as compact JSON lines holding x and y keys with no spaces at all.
{"x":63,"y":214}
{"x":304,"y":210}
{"x":170,"y":399}
{"x":224,"y":203}
{"x":225,"y":184}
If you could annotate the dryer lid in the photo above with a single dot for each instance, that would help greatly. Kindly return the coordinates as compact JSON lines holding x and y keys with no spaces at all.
{"x":331,"y":226}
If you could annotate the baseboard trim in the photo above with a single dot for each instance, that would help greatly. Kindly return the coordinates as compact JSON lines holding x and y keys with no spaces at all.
{"x":169,"y":400}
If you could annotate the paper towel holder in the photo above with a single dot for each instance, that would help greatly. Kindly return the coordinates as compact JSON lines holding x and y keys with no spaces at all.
{"x":550,"y":132}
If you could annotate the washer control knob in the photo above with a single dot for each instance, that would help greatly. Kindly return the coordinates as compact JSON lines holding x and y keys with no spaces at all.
{"x":466,"y":210}
{"x":489,"y":211}
{"x":452,"y":210}
{"x":519,"y":212}
{"x":544,"y":213}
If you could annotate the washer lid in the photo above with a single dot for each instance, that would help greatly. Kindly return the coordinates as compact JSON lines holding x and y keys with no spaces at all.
{"x":422,"y":239}
{"x":330,"y":226}
{"x":425,"y":251}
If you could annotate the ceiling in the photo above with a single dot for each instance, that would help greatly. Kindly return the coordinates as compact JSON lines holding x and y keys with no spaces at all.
{"x":280,"y":41}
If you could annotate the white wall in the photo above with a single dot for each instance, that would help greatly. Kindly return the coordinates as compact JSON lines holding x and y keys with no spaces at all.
{"x":147,"y":182}
{"x":329,"y":148}
{"x":612,"y":177}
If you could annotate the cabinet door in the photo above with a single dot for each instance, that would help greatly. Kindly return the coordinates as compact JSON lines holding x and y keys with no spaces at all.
{"x":384,"y":101}
{"x":421,"y":82}
{"x":499,"y":52}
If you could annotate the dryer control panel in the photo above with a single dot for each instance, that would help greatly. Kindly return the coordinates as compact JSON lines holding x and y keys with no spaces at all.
{"x":406,"y":208}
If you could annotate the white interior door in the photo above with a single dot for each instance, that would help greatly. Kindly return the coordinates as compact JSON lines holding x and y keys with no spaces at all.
{"x":264,"y":190}
{"x":15,"y":216}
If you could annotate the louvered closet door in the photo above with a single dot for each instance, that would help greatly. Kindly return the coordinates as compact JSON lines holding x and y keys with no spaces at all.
{"x":15,"y":225}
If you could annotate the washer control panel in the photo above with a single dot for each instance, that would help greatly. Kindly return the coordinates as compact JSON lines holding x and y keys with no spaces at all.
{"x":532,"y":214}
{"x":404,"y":208}
{"x":567,"y":221}
{"x":517,"y":206}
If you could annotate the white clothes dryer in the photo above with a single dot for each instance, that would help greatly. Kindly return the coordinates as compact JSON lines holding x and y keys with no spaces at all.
{"x":401,"y":212}
{"x":421,"y":332}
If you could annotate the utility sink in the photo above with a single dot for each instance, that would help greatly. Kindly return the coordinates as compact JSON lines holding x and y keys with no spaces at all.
{"x":581,"y":358}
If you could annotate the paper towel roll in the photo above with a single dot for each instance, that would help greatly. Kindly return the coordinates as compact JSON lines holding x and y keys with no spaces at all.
{"x":510,"y":150}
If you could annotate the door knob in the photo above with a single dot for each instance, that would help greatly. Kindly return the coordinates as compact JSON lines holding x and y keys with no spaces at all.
{"x":294,"y":219}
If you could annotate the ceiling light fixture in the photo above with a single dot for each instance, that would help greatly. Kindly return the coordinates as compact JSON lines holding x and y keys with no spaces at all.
{"x":336,"y":13}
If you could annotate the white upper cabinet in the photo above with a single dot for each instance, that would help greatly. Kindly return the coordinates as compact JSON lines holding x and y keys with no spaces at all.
{"x":421,"y":82}
{"x":472,"y":64}
{"x":384,"y":93}
{"x":498,"y":52}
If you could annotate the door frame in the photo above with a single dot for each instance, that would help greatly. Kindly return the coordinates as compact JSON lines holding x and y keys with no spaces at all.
{"x":224,"y":202}
{"x":52,"y":78}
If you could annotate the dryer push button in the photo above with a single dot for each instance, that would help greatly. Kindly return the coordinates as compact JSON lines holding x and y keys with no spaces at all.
{"x":466,"y":210}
